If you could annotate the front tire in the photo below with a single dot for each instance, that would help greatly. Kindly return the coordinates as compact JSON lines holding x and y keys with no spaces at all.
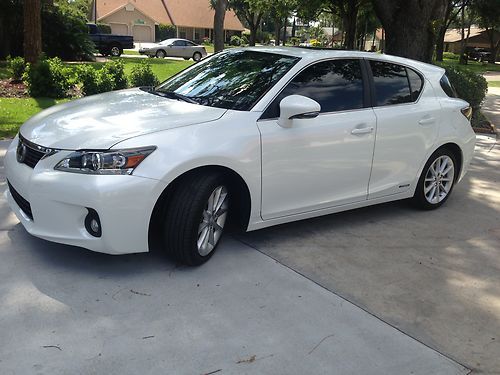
{"x":437,"y":180}
{"x":196,"y":218}
{"x":161,"y":54}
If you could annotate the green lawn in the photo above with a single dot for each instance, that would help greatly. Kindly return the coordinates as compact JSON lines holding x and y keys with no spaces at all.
{"x":14,"y":111}
{"x":130,"y":52}
{"x":163,"y":68}
{"x":474,"y":66}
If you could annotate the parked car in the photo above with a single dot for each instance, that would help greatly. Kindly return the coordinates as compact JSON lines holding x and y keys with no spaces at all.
{"x":109,"y":44}
{"x":478,"y":54}
{"x":251,"y":137}
{"x":175,"y":48}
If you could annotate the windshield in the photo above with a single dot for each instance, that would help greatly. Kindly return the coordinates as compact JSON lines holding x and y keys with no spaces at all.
{"x":166,"y":42}
{"x":231,"y":79}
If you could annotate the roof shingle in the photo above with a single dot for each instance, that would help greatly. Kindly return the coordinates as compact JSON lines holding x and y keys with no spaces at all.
{"x":187,"y":13}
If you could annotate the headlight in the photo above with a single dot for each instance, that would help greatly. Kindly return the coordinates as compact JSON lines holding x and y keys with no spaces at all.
{"x":104,"y":162}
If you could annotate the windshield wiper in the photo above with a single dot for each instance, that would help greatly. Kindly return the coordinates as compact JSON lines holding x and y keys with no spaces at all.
{"x":172,"y":95}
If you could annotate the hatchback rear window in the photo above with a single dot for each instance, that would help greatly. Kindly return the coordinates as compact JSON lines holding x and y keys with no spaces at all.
{"x":447,"y":86}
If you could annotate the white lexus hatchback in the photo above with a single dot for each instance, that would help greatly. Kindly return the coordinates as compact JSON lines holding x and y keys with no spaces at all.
{"x":250,"y":137}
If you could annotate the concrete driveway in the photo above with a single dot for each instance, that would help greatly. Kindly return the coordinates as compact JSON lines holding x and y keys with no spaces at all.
{"x":434,"y":275}
{"x":274,"y":301}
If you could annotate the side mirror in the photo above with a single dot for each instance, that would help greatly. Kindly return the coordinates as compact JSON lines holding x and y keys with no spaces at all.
{"x":297,"y":107}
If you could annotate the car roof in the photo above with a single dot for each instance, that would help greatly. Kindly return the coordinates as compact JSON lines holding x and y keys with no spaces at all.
{"x":175,"y":39}
{"x":313,"y":54}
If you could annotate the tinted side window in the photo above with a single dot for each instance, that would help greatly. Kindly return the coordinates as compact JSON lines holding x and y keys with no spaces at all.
{"x":447,"y":87}
{"x":391,"y":83}
{"x":179,"y":43}
{"x":416,"y":83}
{"x":337,"y":85}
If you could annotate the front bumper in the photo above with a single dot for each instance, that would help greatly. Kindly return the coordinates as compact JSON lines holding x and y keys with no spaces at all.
{"x":59,"y":202}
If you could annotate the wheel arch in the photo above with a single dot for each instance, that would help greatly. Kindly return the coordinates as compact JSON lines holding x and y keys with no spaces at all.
{"x":237,"y":186}
{"x":457,"y":153}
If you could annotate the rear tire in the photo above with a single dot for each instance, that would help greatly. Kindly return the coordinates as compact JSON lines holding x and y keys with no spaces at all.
{"x":437,"y":180}
{"x":197,"y":56}
{"x":195,"y":218}
{"x":115,"y":50}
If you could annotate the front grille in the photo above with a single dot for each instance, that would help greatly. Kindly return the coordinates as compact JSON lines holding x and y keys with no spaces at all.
{"x":21,"y":202}
{"x":30,"y":153}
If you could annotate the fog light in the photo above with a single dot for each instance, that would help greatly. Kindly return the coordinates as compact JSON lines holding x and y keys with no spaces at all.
{"x":92,"y":223}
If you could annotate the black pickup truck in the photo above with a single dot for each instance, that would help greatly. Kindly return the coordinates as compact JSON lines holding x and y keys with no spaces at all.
{"x":109,"y":44}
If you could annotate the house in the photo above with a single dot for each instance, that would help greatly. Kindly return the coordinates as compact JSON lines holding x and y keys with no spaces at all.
{"x":478,"y":38}
{"x":192,"y":19}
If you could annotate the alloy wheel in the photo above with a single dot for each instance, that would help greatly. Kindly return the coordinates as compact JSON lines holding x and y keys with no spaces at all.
{"x":115,"y":51}
{"x":439,"y":179}
{"x":213,"y":220}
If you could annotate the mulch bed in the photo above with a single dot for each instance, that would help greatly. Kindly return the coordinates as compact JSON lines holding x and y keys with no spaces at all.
{"x":12,"y":89}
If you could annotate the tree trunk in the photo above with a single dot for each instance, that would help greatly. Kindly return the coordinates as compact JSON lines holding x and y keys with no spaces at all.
{"x":409,"y":27}
{"x":349,"y":19}
{"x":253,"y":34}
{"x":277,"y":33}
{"x":220,"y":14}
{"x":32,"y":30}
{"x":493,"y":47}
{"x":284,"y":30}
{"x":440,"y":43}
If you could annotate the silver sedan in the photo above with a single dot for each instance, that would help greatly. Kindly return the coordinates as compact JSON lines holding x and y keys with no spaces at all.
{"x":175,"y":48}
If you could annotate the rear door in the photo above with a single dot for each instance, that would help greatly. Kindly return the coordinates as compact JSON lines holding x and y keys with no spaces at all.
{"x":325,"y":161}
{"x":407,"y":126}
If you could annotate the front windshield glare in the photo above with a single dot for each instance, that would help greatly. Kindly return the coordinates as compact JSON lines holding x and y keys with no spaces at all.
{"x":231,"y":80}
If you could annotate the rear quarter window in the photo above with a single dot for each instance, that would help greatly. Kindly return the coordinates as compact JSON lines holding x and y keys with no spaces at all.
{"x":447,"y":86}
{"x":416,"y":83}
{"x":391,"y":83}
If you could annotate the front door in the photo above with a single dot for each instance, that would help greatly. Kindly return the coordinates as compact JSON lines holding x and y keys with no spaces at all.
{"x":325,"y":161}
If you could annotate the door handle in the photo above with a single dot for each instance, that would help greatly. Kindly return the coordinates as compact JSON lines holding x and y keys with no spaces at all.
{"x":357,"y":131}
{"x":427,"y":121}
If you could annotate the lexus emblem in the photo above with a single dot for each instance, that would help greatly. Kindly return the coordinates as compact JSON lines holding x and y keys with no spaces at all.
{"x":21,"y":152}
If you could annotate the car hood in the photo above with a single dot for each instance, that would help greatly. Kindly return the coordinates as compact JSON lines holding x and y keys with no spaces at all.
{"x":100,"y":121}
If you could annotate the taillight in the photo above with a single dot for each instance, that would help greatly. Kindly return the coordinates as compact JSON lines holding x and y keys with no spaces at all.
{"x":467,"y":112}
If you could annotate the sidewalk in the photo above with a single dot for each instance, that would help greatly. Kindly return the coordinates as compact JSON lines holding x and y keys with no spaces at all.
{"x":491,"y":105}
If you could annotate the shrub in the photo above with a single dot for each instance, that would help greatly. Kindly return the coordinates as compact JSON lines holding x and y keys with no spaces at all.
{"x":206,"y":41}
{"x":244,"y":39}
{"x":142,"y":75}
{"x":315,"y":43}
{"x":470,"y":86}
{"x":65,"y":33}
{"x":451,"y":56}
{"x":17,"y":66}
{"x":116,"y":70}
{"x":164,"y":32}
{"x":235,"y":41}
{"x":94,"y":81}
{"x":103,"y":28}
{"x":48,"y":77}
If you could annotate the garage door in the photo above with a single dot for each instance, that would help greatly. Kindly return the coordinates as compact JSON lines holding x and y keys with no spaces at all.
{"x":118,"y":29}
{"x":142,"y":34}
